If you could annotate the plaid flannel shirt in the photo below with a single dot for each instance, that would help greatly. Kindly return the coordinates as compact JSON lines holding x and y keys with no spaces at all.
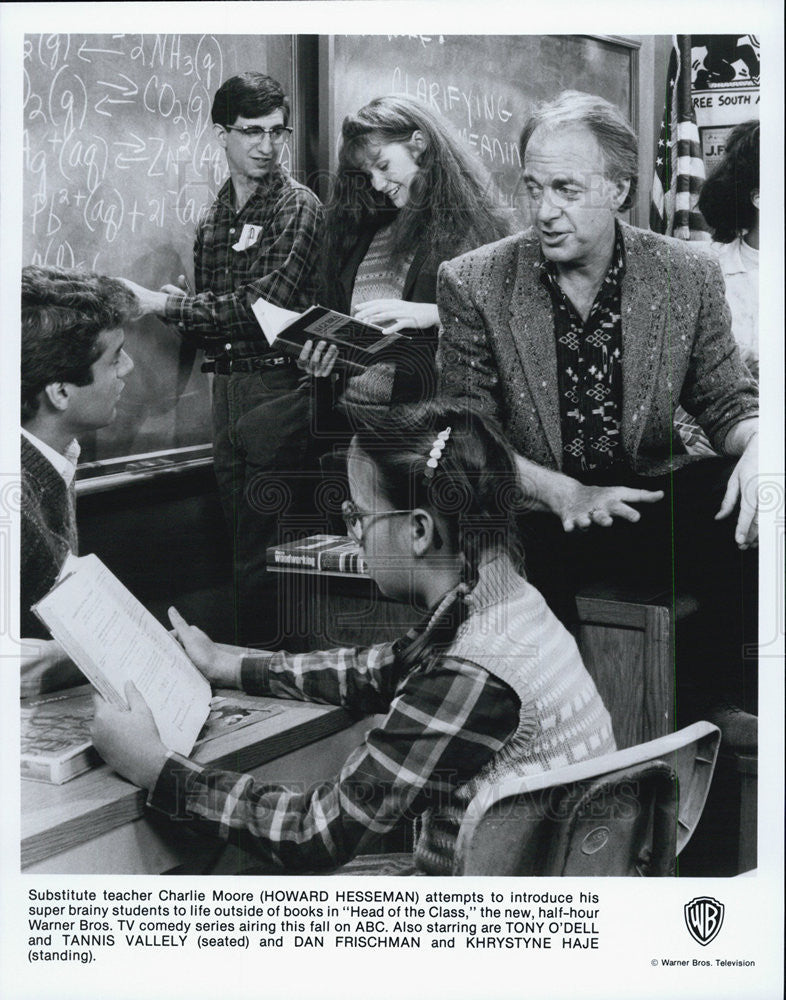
{"x":445,"y":719}
{"x":280,"y":266}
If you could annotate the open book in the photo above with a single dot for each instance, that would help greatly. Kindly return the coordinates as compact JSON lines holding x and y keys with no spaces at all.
{"x":359,"y":344}
{"x":113,"y":638}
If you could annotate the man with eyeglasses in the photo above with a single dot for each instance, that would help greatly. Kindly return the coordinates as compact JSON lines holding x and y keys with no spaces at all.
{"x":259,"y":239}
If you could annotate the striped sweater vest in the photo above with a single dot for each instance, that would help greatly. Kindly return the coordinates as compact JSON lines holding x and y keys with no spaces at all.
{"x":562,"y":719}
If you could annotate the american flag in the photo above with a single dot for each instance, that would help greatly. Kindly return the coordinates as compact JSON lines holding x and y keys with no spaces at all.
{"x":679,"y":168}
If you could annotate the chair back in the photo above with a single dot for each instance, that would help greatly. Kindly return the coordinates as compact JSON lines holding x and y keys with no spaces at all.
{"x":626,"y":813}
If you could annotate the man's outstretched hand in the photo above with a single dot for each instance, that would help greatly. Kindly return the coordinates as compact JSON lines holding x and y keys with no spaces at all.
{"x":742,"y":489}
{"x":580,"y":506}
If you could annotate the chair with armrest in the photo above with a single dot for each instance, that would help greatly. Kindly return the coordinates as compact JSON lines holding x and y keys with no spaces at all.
{"x":627,"y":813}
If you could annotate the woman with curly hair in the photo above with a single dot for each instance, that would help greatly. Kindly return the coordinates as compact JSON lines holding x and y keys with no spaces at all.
{"x":407,"y":195}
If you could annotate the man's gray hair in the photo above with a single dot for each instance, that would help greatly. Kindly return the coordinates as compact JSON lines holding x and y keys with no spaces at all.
{"x":604,"y":120}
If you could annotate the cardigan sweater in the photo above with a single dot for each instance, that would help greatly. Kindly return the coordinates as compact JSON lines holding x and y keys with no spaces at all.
{"x":512,"y":634}
{"x":497,"y":348}
{"x":420,"y":283}
{"x":48,"y":532}
{"x":414,"y":375}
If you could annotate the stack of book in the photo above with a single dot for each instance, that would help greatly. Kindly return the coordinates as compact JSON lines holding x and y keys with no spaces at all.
{"x":325,"y":554}
{"x":56,"y":745}
{"x":56,"y":736}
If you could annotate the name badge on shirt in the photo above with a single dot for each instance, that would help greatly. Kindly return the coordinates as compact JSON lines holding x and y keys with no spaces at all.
{"x":248,"y":237}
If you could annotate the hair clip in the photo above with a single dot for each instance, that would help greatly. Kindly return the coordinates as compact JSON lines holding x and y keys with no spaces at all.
{"x":436,"y":452}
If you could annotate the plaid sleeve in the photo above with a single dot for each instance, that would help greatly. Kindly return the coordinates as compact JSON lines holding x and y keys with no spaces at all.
{"x":693,"y":437}
{"x":361,"y":680}
{"x":283,"y":271}
{"x":199,"y":243}
{"x":443,"y":725}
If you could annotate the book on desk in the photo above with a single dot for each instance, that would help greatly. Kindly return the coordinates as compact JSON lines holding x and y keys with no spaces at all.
{"x":55,"y":735}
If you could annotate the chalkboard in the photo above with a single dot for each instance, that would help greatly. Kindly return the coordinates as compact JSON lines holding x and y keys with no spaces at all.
{"x":484,"y":85}
{"x":120,"y":160}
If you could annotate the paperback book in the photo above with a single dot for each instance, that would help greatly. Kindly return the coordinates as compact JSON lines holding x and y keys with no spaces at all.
{"x":55,"y":736}
{"x":113,"y":638}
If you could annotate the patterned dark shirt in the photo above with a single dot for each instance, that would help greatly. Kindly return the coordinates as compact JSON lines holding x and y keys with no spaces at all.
{"x":280,"y":265}
{"x":589,"y":369}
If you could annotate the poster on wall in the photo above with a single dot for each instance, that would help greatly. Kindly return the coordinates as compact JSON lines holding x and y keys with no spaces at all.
{"x":725,"y":85}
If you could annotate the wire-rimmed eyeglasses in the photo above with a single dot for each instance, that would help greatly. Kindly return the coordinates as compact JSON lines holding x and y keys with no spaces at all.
{"x":354,"y":517}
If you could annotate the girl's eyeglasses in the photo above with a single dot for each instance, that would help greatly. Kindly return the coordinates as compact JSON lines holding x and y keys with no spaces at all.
{"x":354,"y":517}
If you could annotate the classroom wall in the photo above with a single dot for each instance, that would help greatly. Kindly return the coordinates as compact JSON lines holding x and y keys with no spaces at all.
{"x":483,"y":87}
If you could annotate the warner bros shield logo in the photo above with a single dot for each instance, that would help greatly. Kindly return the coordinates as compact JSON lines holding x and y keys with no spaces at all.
{"x":704,"y":918}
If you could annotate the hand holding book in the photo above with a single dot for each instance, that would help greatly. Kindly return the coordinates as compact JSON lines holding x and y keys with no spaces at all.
{"x":359,"y":344}
{"x":113,"y":639}
{"x":318,"y":359}
{"x":218,"y":663}
{"x":128,"y":739}
{"x":397,"y":314}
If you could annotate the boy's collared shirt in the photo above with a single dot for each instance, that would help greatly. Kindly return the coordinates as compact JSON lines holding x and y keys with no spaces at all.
{"x":64,"y":464}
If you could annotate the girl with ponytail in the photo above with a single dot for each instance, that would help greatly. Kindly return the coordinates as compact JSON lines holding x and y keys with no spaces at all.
{"x":489,"y":684}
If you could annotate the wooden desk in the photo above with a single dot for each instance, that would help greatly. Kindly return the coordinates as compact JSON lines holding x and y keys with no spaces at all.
{"x":95,"y":823}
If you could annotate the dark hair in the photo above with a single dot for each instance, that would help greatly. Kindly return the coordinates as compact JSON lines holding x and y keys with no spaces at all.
{"x":250,"y":95}
{"x":453,"y":204}
{"x":63,"y":313}
{"x":475,"y":484}
{"x":604,"y":120}
{"x":725,"y":198}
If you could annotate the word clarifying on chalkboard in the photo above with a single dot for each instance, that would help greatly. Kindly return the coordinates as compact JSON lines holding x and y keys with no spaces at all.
{"x":121,"y":161}
{"x":482,"y":85}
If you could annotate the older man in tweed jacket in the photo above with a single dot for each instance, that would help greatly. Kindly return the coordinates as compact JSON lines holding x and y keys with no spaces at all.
{"x":581,"y":336}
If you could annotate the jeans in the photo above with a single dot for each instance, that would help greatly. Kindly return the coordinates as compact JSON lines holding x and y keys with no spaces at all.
{"x":264,"y":466}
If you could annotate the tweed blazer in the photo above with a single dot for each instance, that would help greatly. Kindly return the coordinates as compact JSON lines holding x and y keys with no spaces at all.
{"x":497,"y":347}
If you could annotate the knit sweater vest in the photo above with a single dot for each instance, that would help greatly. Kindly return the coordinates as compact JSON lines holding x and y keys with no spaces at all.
{"x":48,"y":532}
{"x":512,"y":633}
